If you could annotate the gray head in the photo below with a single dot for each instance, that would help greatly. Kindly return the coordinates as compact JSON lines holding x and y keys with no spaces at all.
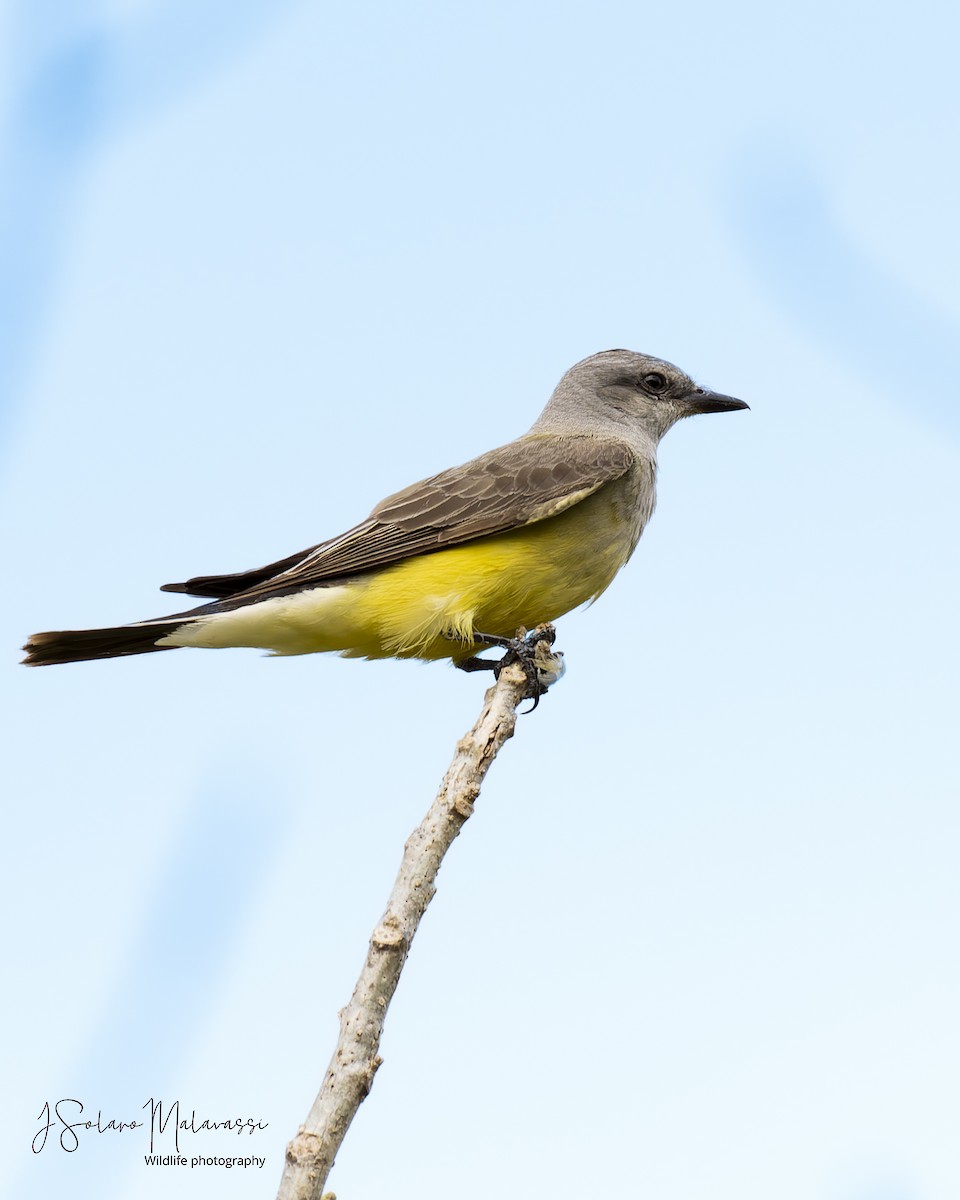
{"x":634,"y":396}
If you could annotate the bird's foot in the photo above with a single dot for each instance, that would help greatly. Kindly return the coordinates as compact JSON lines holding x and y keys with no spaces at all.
{"x":541,"y":664}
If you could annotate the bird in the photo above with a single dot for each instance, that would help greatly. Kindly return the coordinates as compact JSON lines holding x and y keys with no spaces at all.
{"x":460,"y":562}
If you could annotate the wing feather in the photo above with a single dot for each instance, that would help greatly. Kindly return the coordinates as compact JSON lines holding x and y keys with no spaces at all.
{"x":528,"y":480}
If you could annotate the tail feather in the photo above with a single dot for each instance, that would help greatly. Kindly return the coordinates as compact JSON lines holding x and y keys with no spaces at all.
{"x":79,"y":645}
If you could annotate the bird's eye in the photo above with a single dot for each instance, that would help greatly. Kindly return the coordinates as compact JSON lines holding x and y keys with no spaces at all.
{"x":654,"y":382}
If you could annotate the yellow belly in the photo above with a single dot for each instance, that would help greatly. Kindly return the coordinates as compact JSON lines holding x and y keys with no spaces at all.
{"x":415,"y":608}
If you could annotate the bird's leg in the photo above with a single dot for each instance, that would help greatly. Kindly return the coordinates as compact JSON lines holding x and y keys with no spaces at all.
{"x":520,"y":649}
{"x":478,"y":664}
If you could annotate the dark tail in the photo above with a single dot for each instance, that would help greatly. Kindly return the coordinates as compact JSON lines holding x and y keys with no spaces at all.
{"x":79,"y":645}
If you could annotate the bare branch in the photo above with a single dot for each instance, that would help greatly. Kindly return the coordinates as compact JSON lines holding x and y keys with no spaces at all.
{"x":349,"y":1076}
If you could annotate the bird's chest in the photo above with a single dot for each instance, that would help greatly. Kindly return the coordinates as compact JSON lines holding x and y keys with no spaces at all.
{"x":584,"y":548}
{"x":570,"y":559}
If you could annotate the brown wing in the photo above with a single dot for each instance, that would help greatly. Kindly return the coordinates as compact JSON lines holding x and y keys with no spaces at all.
{"x":230,"y":585}
{"x":528,"y":480}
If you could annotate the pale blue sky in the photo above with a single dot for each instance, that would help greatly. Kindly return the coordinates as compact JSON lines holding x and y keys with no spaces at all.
{"x":265,"y":264}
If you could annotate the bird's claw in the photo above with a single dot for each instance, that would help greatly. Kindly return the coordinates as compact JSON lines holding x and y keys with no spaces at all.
{"x":541,"y":665}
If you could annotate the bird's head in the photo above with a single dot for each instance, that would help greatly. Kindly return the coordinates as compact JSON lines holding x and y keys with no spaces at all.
{"x":621,"y":388}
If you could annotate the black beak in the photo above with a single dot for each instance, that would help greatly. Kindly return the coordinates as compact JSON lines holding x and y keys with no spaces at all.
{"x":702,"y":401}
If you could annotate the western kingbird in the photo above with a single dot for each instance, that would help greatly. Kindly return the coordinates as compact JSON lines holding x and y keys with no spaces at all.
{"x":517,"y":537}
